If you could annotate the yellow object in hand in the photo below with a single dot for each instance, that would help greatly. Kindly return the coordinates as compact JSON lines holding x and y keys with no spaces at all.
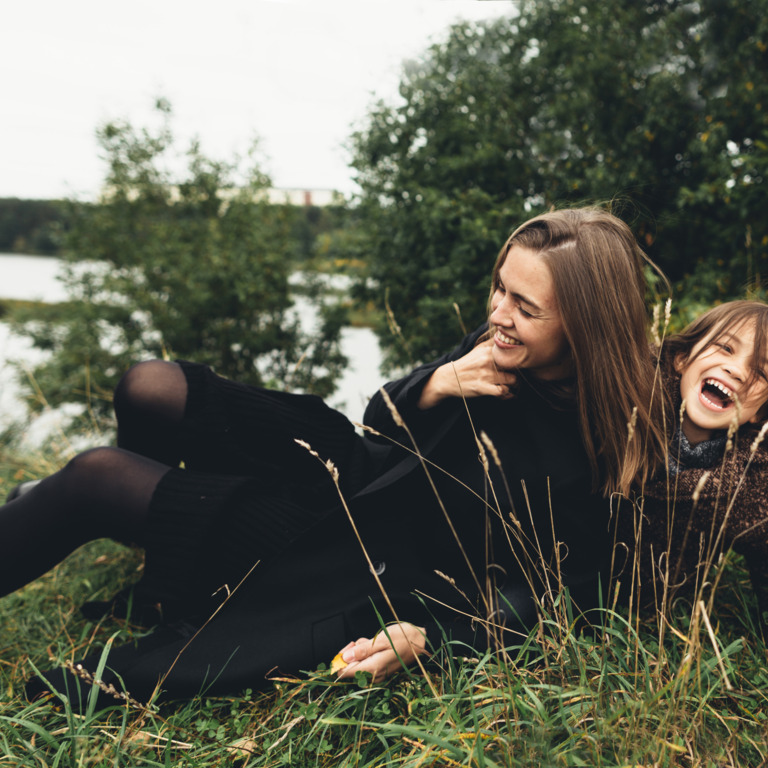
{"x":337,"y":664}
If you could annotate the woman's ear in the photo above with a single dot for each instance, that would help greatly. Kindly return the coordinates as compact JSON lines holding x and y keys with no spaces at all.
{"x":680,"y":360}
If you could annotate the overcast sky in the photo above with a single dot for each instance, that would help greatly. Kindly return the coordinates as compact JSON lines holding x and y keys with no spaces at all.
{"x":299,"y":74}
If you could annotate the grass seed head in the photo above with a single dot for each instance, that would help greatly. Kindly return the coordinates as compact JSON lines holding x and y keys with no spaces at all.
{"x":700,"y":486}
{"x":483,"y":455}
{"x":631,"y":424}
{"x":491,"y":448}
{"x":655,"y":325}
{"x":398,"y":419}
{"x":759,"y":439}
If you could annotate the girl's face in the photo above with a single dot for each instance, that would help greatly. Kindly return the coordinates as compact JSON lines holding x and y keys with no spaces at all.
{"x":712,"y":381}
{"x":529,"y":331}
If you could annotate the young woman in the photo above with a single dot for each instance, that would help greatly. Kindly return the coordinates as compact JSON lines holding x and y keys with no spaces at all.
{"x":713,"y":495}
{"x":494,"y":498}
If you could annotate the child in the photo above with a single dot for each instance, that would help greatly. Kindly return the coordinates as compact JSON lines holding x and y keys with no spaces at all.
{"x":714,"y":494}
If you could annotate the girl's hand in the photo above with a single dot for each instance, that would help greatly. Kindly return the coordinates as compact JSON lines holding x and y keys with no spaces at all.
{"x":379,"y":655}
{"x":473,"y":375}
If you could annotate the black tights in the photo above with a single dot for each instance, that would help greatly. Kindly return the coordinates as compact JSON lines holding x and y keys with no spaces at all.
{"x":149,"y":403}
{"x":103,"y":492}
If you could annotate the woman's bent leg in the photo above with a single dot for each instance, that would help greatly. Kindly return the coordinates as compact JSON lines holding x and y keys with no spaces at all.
{"x":184,"y":412}
{"x":102,"y":493}
{"x":149,"y":403}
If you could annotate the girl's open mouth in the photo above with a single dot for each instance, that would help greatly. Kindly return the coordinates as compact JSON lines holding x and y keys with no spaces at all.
{"x":716,"y":395}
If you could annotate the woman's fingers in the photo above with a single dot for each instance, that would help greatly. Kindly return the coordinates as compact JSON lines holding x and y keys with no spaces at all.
{"x":398,"y":645}
{"x":473,"y":375}
{"x":357,"y":650}
{"x":378,"y":666}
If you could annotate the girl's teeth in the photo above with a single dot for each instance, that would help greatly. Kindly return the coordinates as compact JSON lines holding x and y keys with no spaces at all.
{"x":713,"y":383}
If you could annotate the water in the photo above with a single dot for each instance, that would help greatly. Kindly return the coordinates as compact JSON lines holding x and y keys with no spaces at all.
{"x":37,"y":278}
{"x":33,"y":278}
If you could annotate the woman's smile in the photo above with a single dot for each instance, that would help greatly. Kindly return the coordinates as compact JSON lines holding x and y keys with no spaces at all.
{"x":503,"y":339}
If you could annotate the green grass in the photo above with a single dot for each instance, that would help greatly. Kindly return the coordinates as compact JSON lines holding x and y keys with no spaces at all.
{"x":624,"y":694}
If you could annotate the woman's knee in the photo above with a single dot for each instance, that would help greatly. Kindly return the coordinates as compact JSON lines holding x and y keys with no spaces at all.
{"x":91,"y":465}
{"x":156,"y":388}
{"x":108,"y":489}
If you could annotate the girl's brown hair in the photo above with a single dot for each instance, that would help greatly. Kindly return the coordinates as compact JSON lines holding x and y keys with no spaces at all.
{"x":597,"y":272}
{"x":716,"y":323}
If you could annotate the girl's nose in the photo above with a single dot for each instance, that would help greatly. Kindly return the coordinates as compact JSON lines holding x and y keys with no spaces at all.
{"x":736,"y":369}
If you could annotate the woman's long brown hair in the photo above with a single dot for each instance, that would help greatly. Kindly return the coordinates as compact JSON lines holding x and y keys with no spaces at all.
{"x":597,"y":271}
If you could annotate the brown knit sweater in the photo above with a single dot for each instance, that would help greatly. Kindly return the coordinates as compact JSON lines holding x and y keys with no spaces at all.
{"x":680,"y":538}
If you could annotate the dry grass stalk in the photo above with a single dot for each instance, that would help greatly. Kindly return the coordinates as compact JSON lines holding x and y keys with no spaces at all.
{"x":79,"y":671}
{"x":713,"y":640}
{"x":335,"y":475}
{"x":398,"y":419}
{"x":230,"y":594}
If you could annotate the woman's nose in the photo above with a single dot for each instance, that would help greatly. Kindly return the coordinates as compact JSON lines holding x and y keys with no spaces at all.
{"x":502,"y":314}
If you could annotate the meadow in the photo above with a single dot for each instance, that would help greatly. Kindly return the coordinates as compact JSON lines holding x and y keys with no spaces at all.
{"x":684,"y":687}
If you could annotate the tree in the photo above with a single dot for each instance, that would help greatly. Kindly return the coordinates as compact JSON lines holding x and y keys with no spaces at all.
{"x":566,"y":102}
{"x":187,"y":264}
{"x":31,"y":226}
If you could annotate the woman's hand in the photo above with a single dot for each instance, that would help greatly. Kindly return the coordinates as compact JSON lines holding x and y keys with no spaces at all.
{"x":379,"y":655}
{"x":473,"y":375}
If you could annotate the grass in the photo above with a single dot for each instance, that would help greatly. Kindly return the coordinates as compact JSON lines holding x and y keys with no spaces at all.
{"x":612,"y":696}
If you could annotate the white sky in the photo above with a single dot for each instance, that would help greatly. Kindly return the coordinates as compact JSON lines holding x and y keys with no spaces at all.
{"x":299,"y":74}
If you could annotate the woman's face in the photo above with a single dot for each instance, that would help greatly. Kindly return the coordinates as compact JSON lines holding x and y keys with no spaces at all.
{"x":529,"y":331}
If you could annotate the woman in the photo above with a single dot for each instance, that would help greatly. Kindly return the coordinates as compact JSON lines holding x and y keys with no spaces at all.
{"x":547,"y":389}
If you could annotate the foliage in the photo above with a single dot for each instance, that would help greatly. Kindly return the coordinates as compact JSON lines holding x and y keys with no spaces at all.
{"x":192,"y":264}
{"x":312,"y":223}
{"x":31,"y":226}
{"x":659,"y":107}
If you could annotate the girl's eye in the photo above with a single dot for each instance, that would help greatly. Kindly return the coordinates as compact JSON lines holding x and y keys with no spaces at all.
{"x":524,"y":312}
{"x":725,"y":347}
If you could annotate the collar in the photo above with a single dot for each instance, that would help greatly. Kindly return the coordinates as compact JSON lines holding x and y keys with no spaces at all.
{"x":683,"y":455}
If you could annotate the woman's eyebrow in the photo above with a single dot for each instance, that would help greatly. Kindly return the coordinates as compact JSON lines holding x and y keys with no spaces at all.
{"x":526,"y":300}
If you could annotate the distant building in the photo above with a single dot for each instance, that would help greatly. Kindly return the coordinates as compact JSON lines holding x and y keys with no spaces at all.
{"x":295,"y":196}
{"x":275,"y":195}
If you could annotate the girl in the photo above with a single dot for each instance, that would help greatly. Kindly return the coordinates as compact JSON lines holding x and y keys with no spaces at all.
{"x":551,"y":383}
{"x":714,"y":495}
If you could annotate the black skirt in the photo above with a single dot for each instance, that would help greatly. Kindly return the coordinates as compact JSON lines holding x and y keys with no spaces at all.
{"x":246,"y":489}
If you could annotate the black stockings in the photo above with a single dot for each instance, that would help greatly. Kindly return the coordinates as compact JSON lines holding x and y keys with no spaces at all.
{"x":104,"y":492}
{"x":149,"y":405}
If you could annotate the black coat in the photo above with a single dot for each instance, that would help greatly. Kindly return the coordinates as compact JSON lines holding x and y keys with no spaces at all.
{"x":302,"y":608}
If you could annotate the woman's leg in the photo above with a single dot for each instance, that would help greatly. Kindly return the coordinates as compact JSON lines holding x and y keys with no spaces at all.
{"x":149,"y":403}
{"x":102,"y":493}
{"x":183,"y":412}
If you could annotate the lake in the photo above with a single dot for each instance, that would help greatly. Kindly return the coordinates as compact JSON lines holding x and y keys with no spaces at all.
{"x":37,"y":278}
